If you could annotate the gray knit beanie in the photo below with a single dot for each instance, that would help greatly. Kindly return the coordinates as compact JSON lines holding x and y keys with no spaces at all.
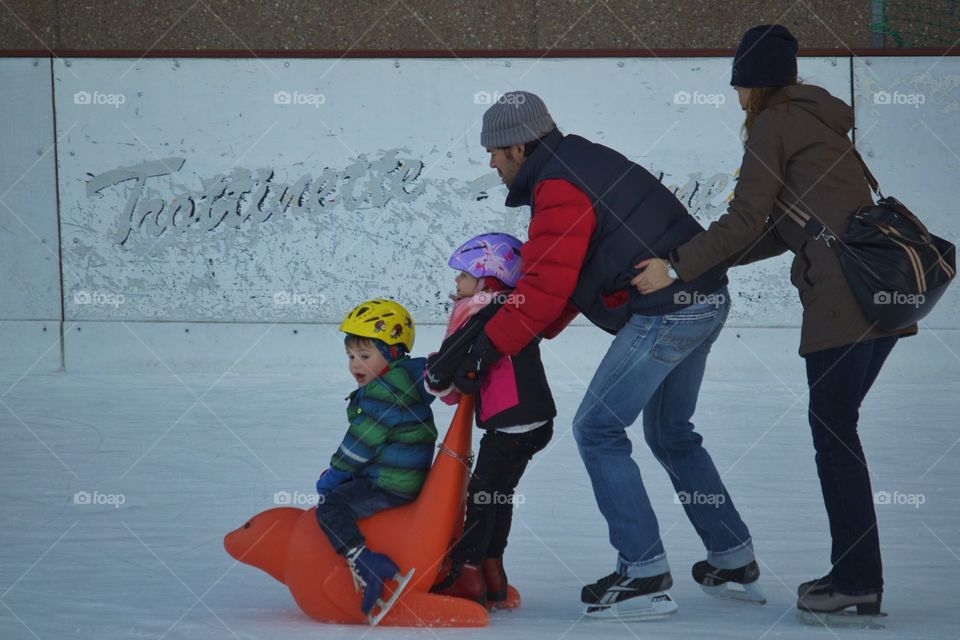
{"x":516,"y":117}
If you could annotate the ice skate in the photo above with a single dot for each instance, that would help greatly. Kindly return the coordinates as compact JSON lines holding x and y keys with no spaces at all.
{"x":819,"y":583}
{"x":730,"y":584}
{"x":463,"y":581}
{"x":827,"y":607}
{"x":370,"y":569}
{"x":622,"y":598}
{"x":499,"y":593}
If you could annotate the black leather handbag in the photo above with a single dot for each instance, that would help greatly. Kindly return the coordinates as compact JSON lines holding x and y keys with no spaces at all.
{"x":897,"y":269}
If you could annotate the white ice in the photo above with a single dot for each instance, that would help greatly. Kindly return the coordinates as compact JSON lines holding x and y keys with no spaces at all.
{"x":192,"y":456}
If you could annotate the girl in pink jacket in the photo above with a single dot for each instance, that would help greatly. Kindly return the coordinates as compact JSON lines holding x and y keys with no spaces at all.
{"x":514,"y":407}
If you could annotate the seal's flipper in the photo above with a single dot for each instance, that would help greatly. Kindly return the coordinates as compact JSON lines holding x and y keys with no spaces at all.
{"x":340,"y":589}
{"x":412,"y":609}
{"x":418,"y":609}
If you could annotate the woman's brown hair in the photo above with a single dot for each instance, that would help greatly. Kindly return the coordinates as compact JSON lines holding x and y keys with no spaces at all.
{"x":758,"y":101}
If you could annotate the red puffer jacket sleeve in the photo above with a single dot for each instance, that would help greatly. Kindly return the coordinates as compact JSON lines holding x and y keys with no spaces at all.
{"x":559,"y":234}
{"x":558,"y":325}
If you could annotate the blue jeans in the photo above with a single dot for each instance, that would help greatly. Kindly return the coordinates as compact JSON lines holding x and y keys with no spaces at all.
{"x":338,"y":511}
{"x":656,"y":365}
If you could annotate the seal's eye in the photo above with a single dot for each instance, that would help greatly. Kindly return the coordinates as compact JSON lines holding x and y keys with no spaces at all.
{"x":246,"y":526}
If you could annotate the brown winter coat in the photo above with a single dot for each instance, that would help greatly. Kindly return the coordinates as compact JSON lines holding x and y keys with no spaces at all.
{"x":798,"y":153}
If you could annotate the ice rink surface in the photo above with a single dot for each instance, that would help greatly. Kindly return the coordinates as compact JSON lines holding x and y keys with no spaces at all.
{"x":117,"y":489}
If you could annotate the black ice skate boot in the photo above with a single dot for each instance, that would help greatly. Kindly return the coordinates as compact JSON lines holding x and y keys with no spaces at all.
{"x":618,"y":597}
{"x":731,"y":584}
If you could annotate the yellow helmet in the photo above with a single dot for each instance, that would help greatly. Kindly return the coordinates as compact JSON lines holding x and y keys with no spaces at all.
{"x":380,"y":319}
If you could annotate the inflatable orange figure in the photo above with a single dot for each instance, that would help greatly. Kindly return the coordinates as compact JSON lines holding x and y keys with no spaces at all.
{"x":288,"y":544}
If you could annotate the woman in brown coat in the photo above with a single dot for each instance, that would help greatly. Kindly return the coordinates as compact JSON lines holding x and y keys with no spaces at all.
{"x":798,"y":157}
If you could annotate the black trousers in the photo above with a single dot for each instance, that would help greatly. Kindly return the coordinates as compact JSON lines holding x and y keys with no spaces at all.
{"x":501,"y":461}
{"x":839,"y":380}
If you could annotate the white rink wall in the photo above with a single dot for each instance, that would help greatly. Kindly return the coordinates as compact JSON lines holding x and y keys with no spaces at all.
{"x":174,"y":212}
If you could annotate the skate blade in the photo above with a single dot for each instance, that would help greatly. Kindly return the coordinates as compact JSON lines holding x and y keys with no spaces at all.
{"x":385,"y":605}
{"x":734,"y":591}
{"x":841,"y":619}
{"x":649,"y":607}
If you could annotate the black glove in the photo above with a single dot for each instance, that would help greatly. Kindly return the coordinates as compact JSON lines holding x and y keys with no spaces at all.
{"x":473,"y":370}
{"x":442,"y":366}
{"x":440,"y":370}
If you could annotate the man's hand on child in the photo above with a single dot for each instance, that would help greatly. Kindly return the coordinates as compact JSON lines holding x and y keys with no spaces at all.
{"x":331,"y":479}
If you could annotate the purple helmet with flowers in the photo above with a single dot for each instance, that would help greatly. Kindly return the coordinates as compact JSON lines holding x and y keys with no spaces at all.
{"x":490,"y":254}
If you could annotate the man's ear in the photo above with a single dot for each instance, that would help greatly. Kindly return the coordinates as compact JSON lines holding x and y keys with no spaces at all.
{"x":516,"y":152}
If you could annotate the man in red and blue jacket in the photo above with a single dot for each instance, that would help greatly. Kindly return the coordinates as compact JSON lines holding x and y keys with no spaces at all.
{"x":595,"y":214}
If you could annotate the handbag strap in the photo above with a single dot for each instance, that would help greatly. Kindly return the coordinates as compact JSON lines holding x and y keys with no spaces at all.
{"x":901,"y":209}
{"x":813,"y":227}
{"x":871,"y":180}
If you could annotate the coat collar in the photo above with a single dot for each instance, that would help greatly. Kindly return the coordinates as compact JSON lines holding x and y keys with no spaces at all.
{"x":521,"y":192}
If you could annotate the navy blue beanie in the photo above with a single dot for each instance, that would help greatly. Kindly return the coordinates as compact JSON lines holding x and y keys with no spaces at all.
{"x":766,"y":57}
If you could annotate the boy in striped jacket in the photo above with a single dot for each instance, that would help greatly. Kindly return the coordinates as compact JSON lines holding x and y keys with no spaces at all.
{"x":387,"y":451}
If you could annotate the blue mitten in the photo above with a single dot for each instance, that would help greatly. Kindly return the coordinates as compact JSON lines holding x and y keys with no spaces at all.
{"x":331,"y":479}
